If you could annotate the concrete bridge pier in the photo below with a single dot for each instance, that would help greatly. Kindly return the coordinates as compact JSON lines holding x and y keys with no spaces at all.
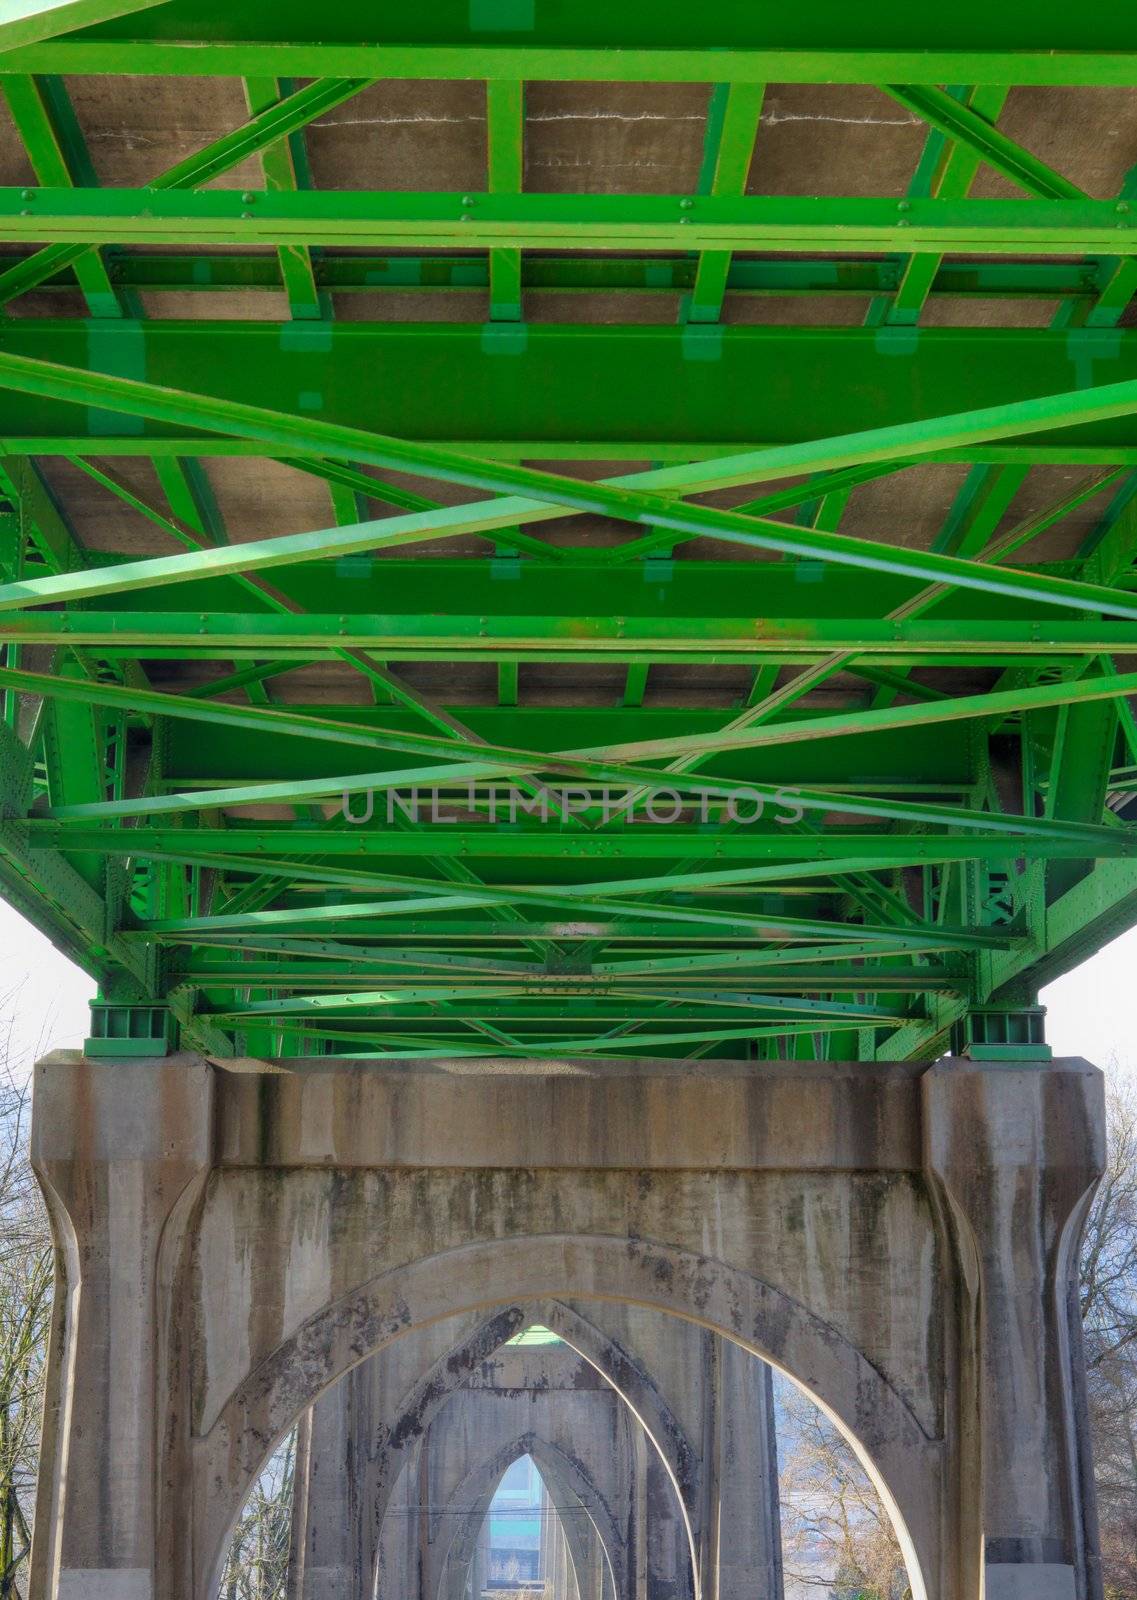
{"x":1015,"y":1155}
{"x":122,"y":1174}
{"x":899,"y":1239}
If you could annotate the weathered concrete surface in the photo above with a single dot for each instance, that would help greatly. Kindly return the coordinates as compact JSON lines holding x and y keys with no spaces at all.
{"x":545,"y":1403}
{"x":705,"y":1491}
{"x":897,"y":1239}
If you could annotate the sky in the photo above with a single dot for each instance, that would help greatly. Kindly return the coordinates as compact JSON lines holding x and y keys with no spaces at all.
{"x":43,"y":1000}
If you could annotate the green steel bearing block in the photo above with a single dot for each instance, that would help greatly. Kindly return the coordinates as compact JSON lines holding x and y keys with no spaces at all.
{"x":130,"y":1030}
{"x":1002,"y":1033}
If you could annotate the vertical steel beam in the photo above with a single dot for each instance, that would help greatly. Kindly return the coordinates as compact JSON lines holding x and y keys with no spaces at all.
{"x":732,"y":129}
{"x":505,"y":135}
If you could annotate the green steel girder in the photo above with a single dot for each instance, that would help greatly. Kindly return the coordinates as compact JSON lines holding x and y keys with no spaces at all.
{"x":638,"y":41}
{"x":481,"y":221}
{"x":361,"y":272}
{"x":544,"y":844}
{"x":646,"y":392}
{"x":485,"y":636}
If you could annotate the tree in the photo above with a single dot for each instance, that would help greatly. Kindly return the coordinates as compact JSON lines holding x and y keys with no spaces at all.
{"x":836,"y":1534}
{"x":1109,"y":1319}
{"x":26,"y":1282}
{"x":257,"y":1564}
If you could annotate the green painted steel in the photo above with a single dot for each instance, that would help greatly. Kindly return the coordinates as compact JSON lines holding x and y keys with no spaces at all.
{"x":25,"y":22}
{"x":648,"y":393}
{"x":1066,"y":227}
{"x":426,"y":727}
{"x":637,"y":41}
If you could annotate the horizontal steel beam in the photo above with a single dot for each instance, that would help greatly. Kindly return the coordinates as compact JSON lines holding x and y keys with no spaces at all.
{"x":558,"y":222}
{"x":153,"y":635}
{"x":214,"y":976}
{"x":634,"y":41}
{"x":991,"y":278}
{"x":641,"y":842}
{"x":647,"y":392}
{"x":470,"y":932}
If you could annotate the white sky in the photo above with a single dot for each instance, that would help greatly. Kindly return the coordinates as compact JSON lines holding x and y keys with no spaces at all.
{"x":43,"y":999}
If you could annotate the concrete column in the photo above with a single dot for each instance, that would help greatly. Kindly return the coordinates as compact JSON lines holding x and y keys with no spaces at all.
{"x":749,"y":1512}
{"x":668,"y":1551}
{"x":1017,"y":1151}
{"x":121,"y":1150}
{"x":331,"y":1534}
{"x":400,"y":1553}
{"x":480,"y":1566}
{"x":740,"y":1545}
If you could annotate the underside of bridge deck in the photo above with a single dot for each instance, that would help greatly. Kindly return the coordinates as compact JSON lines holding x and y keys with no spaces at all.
{"x":535,"y":529}
{"x":539,"y":543}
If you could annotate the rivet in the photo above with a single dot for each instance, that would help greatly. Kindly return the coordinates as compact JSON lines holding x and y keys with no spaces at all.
{"x":1123,"y":205}
{"x":467,"y":199}
{"x":686,"y":204}
{"x":904,"y":205}
{"x":246,"y":216}
{"x":28,"y":194}
{"x":248,"y":197}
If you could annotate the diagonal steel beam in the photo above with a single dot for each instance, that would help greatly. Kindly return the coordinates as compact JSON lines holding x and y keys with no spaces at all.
{"x":589,"y":898}
{"x":28,"y":22}
{"x":604,"y":764}
{"x":466,"y":746}
{"x":969,"y":127}
{"x":952,"y":177}
{"x":619,"y":498}
{"x":286,"y":168}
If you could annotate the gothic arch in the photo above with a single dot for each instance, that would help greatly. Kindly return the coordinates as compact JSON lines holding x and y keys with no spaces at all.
{"x":619,"y":1368}
{"x":563,"y":1476}
{"x":901,"y":1458}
